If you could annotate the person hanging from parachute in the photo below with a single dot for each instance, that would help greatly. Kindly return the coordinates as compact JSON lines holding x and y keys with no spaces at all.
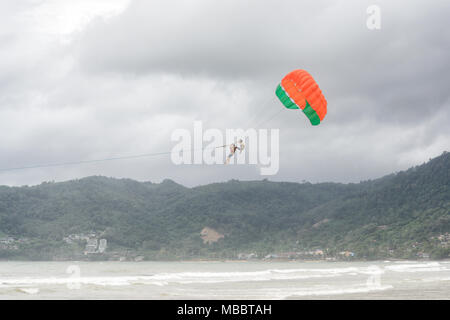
{"x":297,"y":90}
{"x":233,"y":148}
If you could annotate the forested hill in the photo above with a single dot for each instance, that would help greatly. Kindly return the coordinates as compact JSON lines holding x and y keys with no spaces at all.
{"x":403,"y":215}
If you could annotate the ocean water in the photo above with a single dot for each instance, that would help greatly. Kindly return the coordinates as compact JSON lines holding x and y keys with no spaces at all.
{"x":225,"y":280}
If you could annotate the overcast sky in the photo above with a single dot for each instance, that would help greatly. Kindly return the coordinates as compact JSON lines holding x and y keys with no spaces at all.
{"x":91,"y":79}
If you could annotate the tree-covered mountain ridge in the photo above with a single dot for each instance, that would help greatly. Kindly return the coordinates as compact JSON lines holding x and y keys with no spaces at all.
{"x":402,"y":215}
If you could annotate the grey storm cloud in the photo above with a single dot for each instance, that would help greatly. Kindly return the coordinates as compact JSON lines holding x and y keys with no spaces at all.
{"x":119,"y":85}
{"x":398,"y":67}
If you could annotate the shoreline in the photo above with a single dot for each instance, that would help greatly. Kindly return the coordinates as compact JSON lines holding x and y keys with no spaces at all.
{"x":240,"y":261}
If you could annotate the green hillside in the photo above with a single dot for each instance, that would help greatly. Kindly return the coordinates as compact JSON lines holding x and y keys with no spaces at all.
{"x":403,"y":215}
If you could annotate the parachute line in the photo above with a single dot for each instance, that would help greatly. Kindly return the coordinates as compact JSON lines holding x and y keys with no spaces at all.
{"x":69,"y":163}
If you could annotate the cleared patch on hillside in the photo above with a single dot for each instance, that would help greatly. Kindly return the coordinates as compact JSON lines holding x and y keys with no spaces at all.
{"x":320,"y":223}
{"x":209,"y":235}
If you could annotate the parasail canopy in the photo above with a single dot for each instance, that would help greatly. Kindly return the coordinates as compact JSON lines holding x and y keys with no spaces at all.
{"x":299,"y":90}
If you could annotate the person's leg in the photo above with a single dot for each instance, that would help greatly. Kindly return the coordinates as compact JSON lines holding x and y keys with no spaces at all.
{"x":229,"y":158}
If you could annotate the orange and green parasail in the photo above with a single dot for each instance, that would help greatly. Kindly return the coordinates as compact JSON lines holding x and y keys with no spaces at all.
{"x":299,"y":90}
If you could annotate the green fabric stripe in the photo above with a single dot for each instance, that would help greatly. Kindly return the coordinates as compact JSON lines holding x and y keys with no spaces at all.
{"x":311,"y":114}
{"x":288,"y":103}
{"x":284,"y":98}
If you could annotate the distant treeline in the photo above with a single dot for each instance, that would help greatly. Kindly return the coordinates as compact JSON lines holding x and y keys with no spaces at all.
{"x":402,"y":215}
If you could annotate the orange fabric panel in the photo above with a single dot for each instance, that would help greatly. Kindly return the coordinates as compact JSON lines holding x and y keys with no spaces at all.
{"x":296,"y":95}
{"x":300,"y":85}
